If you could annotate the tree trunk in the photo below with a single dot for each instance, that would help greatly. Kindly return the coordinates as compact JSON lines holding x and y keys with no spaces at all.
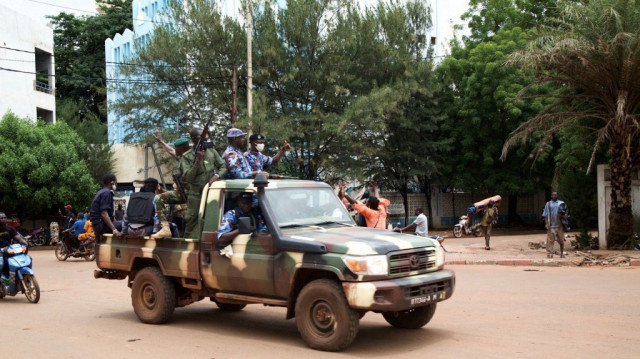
{"x":427,"y":198}
{"x":426,"y":187}
{"x":620,"y":213}
{"x":405,"y":200}
{"x":513,"y":216}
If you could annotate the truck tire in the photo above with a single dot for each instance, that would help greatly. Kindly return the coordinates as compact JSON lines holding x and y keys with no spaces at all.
{"x":323,"y":316}
{"x":153,"y":296}
{"x":414,"y":318}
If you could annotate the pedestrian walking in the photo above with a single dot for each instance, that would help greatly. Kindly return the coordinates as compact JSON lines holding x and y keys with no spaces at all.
{"x":554,"y":212}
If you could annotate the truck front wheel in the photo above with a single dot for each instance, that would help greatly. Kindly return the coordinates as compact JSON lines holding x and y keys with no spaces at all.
{"x":323,"y":316}
{"x":153,"y":296}
{"x":414,"y":318}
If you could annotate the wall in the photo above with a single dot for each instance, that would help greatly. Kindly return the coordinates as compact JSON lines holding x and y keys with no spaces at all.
{"x":604,"y":202}
{"x":20,"y":38}
{"x":445,"y":215}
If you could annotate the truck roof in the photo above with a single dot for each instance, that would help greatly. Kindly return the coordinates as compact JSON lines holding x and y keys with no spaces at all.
{"x":273,"y":183}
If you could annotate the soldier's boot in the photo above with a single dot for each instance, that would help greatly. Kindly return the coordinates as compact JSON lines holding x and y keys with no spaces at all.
{"x":164,"y":232}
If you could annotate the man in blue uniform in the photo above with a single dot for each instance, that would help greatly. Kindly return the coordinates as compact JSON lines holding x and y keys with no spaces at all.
{"x":257,"y":160}
{"x":228,"y":229}
{"x":237,"y":165}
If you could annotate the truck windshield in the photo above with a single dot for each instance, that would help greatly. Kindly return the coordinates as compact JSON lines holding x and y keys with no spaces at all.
{"x":307,"y":207}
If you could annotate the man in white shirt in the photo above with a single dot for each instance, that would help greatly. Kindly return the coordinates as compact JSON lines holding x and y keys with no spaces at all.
{"x":419,"y":225}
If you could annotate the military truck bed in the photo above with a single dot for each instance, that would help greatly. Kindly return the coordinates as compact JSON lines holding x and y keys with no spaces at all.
{"x":176,"y":257}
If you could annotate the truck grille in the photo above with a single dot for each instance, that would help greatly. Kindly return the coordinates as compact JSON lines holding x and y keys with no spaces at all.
{"x":405,"y":262}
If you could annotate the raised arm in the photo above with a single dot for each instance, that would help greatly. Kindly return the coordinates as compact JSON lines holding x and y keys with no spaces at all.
{"x":170,"y":150}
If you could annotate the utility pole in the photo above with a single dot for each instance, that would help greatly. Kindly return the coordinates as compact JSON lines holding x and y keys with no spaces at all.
{"x":249,"y":60}
{"x":234,"y":92}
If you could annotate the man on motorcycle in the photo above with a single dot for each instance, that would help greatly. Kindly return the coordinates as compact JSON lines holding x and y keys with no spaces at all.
{"x":7,"y":236}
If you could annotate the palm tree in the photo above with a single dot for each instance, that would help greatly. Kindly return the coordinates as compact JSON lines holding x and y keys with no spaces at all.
{"x":591,"y":53}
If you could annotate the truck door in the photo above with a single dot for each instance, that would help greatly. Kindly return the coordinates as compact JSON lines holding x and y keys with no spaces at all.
{"x":249,"y":270}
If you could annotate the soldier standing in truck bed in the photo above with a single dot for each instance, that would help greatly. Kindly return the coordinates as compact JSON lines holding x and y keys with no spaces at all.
{"x":198,"y":169}
{"x":180,"y":146}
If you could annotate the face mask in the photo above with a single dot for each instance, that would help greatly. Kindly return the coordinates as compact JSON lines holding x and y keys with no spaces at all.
{"x":260,"y":147}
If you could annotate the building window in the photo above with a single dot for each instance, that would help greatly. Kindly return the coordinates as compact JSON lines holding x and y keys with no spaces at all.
{"x":127,"y":50}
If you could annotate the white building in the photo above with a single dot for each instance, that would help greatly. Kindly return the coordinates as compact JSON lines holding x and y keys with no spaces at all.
{"x":27,"y":81}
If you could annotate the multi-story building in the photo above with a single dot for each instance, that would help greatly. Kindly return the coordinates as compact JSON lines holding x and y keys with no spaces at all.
{"x":117,"y":50}
{"x":27,"y":75}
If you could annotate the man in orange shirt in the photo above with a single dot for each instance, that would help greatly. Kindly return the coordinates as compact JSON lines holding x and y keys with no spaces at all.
{"x":374,"y":212}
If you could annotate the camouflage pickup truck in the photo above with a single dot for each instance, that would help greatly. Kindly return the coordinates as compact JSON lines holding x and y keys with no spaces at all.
{"x":314,"y":261}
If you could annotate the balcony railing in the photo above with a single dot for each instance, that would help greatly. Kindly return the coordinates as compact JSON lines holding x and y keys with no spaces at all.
{"x":42,"y":87}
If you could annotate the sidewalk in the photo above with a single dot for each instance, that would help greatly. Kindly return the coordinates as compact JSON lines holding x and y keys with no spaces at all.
{"x":514,"y":250}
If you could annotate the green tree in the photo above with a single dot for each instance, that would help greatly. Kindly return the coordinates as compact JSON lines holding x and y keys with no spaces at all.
{"x":79,"y":50}
{"x":98,"y":154}
{"x":592,"y":54}
{"x":485,"y":110}
{"x":315,"y":58}
{"x":400,"y":138}
{"x":487,"y":17}
{"x":483,"y":105}
{"x":41,"y":167}
{"x":182,"y":76}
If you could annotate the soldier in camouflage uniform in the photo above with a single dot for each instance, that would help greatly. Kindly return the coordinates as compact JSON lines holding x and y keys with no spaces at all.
{"x":198,"y":170}
{"x":181,"y":145}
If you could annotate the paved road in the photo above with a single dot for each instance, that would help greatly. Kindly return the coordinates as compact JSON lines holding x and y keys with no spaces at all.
{"x":496,"y":312}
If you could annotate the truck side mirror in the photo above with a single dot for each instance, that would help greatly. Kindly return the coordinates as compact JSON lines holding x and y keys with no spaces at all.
{"x":244,"y":225}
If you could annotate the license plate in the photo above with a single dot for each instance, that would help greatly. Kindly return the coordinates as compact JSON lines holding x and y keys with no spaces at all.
{"x":429,"y":298}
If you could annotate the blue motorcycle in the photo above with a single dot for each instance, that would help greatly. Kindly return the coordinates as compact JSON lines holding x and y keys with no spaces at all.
{"x":21,"y":278}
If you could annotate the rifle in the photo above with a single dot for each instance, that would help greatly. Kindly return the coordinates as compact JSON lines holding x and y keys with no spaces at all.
{"x":202,"y":144}
{"x":178,"y":184}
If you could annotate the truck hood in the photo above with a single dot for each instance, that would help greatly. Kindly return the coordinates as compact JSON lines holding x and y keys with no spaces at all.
{"x":358,"y":240}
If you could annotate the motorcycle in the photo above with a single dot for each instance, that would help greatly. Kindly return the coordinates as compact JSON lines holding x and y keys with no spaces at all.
{"x":86,"y":249}
{"x":37,"y":237}
{"x":463,"y":228}
{"x":21,"y":277}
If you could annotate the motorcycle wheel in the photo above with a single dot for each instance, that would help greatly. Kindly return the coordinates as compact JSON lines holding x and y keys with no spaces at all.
{"x":60,"y":252}
{"x":457,"y":232}
{"x":91,"y":252}
{"x":478,"y":231}
{"x":31,"y":288}
{"x":40,"y":239}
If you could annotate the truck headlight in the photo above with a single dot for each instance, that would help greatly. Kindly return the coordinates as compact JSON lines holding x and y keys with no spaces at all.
{"x":439,"y":256}
{"x":367,"y":265}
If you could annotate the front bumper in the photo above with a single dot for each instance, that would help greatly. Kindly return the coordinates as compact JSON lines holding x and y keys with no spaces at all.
{"x":401,"y":293}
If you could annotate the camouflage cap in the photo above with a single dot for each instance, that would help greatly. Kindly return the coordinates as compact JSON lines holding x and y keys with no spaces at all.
{"x":181,"y":141}
{"x":235,"y":132}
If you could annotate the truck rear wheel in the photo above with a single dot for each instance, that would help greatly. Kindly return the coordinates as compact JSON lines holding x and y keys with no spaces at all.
{"x":414,"y":318}
{"x":153,"y":296}
{"x":323,"y":316}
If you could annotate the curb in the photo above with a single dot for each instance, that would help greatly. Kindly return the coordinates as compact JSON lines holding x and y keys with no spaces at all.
{"x":523,"y":262}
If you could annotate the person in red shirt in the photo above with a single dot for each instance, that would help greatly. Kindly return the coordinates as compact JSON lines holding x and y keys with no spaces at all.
{"x":374,"y":212}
